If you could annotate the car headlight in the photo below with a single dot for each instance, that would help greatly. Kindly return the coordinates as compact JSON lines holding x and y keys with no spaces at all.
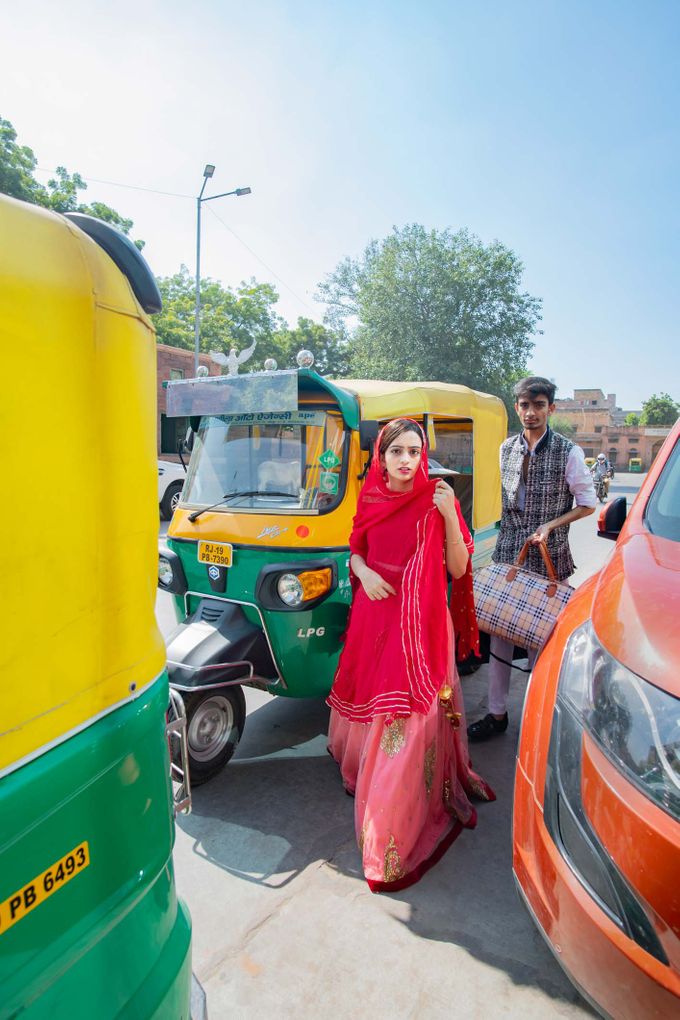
{"x":165,"y":572}
{"x":635,"y":724}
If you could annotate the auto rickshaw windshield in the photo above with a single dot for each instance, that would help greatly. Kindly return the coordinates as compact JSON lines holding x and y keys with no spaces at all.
{"x":290,"y":462}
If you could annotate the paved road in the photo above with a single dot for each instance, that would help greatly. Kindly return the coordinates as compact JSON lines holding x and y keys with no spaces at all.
{"x":284,"y":925}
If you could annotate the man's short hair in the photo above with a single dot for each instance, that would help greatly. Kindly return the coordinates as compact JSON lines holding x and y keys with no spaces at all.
{"x":535,"y":386}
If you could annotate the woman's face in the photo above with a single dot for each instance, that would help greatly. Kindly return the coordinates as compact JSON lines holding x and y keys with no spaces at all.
{"x":402,"y":460}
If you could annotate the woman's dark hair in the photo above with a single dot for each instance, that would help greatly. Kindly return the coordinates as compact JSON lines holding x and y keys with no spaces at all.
{"x":396,"y":428}
{"x":535,"y":386}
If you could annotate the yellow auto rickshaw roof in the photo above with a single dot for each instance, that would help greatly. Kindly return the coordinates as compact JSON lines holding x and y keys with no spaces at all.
{"x":79,"y":556}
{"x":380,"y":400}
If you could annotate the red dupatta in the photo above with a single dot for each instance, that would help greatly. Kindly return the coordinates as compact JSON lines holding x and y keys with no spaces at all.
{"x":396,"y":655}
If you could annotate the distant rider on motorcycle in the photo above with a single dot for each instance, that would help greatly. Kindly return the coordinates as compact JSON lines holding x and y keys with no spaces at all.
{"x":601,"y":470}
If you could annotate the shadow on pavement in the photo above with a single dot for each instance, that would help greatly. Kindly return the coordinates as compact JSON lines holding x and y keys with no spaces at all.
{"x":279,"y":801}
{"x":279,"y":807}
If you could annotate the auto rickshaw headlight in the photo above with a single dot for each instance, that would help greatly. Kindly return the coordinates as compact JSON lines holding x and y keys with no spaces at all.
{"x":294,"y":589}
{"x":165,"y":572}
{"x":290,"y":589}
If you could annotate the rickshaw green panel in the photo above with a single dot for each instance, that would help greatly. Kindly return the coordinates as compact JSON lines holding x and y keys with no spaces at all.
{"x":306,"y":644}
{"x":113,"y":935}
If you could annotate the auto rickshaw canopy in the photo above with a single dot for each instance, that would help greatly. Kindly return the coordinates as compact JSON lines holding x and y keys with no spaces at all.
{"x":81,"y":504}
{"x":382,"y":401}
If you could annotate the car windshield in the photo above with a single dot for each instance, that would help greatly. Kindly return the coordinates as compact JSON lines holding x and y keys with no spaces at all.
{"x":663,"y":510}
{"x":282,"y":463}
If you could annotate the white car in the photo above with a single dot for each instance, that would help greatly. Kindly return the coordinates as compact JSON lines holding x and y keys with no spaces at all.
{"x":170,"y":484}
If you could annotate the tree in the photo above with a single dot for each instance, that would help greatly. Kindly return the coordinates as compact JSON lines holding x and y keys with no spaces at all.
{"x":329,"y":347}
{"x":17,"y":164}
{"x":659,"y":410}
{"x":434,"y":305}
{"x":560,"y":424}
{"x":632,"y":419}
{"x":228,"y":318}
{"x":234,"y":318}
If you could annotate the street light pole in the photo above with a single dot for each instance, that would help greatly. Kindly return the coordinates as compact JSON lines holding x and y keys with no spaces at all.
{"x":207,"y":173}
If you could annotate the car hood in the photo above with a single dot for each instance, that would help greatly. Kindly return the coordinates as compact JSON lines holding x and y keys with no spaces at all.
{"x":636,"y":609}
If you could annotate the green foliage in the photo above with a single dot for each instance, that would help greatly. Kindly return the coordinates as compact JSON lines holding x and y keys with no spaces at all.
{"x":562,"y":425}
{"x":234,"y":318}
{"x":435,"y":305}
{"x":659,"y":410}
{"x":228,"y":318}
{"x":632,"y":419}
{"x":17,"y":165}
{"x":329,"y":347}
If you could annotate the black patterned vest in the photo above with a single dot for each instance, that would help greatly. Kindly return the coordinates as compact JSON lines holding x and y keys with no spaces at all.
{"x":547,"y":497}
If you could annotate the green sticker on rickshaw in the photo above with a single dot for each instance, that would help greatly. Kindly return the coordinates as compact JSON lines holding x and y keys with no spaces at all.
{"x":329,"y":460}
{"x":328,"y":482}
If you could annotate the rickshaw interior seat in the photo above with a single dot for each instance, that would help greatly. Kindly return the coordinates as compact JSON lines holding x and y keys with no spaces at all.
{"x":126,"y":256}
{"x":281,"y":475}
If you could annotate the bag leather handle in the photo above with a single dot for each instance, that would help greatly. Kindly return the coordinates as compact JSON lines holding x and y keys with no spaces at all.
{"x":543,"y":549}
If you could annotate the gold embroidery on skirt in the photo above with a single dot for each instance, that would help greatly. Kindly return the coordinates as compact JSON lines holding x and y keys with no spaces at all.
{"x":393,"y":737}
{"x":446,"y":794}
{"x":477,"y":788}
{"x":428,"y":766}
{"x":393,"y":866}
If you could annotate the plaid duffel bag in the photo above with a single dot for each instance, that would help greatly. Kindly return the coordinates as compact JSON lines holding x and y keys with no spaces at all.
{"x":518,"y":605}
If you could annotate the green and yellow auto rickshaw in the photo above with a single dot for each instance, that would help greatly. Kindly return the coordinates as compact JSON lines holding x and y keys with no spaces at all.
{"x":90,"y":924}
{"x":257,"y":552}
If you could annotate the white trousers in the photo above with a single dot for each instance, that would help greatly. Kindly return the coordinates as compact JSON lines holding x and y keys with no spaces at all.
{"x":499,"y":674}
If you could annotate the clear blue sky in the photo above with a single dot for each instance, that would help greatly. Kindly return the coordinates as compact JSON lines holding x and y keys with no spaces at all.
{"x":550,"y":126}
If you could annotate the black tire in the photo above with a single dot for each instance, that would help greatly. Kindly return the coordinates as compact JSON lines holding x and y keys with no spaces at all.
{"x":170,"y":500}
{"x":215,"y":721}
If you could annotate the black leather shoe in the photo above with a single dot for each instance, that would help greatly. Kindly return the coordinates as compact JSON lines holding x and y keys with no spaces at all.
{"x":487,"y":727}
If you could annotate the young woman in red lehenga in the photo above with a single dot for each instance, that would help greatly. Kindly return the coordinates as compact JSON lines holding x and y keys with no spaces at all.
{"x":397,"y":726}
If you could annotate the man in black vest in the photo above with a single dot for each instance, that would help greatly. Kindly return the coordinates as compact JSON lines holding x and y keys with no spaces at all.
{"x":542,"y":475}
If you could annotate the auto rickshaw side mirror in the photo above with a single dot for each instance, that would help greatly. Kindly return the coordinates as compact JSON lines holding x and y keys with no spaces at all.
{"x":186,"y":445}
{"x":368,"y":433}
{"x":612,"y":518}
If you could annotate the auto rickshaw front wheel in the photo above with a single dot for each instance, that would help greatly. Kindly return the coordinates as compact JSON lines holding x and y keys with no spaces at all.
{"x":215,"y":721}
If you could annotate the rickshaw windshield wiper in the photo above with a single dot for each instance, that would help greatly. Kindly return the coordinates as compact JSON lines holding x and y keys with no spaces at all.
{"x":232,"y":495}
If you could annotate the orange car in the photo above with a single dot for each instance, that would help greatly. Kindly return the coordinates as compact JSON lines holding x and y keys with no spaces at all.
{"x":596,"y":828}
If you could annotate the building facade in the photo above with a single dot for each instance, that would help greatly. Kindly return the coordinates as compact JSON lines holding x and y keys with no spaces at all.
{"x":598,"y":425}
{"x":174,"y":363}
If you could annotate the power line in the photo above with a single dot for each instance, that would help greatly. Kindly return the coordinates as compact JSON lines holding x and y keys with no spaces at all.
{"x":117,"y":184}
{"x":261,"y":261}
{"x":175,"y":194}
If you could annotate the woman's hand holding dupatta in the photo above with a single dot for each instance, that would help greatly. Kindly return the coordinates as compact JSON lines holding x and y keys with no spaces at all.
{"x":456,"y":551}
{"x":375,"y":586}
{"x":445,"y":501}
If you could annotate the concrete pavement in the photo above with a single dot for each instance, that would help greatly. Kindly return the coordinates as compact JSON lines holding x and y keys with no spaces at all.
{"x":285,"y":926}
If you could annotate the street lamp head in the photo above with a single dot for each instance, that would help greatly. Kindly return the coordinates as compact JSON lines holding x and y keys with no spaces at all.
{"x":243,"y":191}
{"x":209,"y":170}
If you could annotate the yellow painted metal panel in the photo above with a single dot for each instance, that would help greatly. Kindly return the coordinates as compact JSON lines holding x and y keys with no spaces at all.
{"x":381,"y":400}
{"x":78,"y":420}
